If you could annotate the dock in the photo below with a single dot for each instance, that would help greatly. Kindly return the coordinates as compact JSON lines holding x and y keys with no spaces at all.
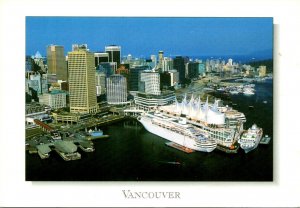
{"x":179,"y":147}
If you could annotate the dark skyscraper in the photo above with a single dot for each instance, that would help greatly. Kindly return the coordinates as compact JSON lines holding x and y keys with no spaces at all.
{"x":193,"y":70}
{"x":179,"y":65}
{"x":134,"y":77}
{"x":101,"y":57}
{"x":114,"y":53}
{"x":57,"y":62}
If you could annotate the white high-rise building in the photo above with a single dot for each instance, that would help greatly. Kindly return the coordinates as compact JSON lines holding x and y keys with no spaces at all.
{"x":100,"y":83}
{"x":154,"y":60}
{"x":151,"y":82}
{"x":116,"y":89}
{"x":167,"y":64}
{"x":174,"y":77}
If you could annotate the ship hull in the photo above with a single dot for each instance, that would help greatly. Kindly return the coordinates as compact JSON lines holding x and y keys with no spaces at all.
{"x":174,"y":137}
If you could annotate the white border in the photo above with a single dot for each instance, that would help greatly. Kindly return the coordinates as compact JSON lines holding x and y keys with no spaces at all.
{"x":284,"y":191}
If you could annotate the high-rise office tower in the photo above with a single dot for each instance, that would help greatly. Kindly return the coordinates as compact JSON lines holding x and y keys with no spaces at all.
{"x":167,"y":64}
{"x":178,"y":64}
{"x":134,"y":77}
{"x":82,"y":86}
{"x":153,"y":59}
{"x":116,"y":89}
{"x":114,"y":53}
{"x":150,"y":82}
{"x":160,"y":59}
{"x":57,"y":62}
{"x":101,"y":57}
{"x":193,"y":70}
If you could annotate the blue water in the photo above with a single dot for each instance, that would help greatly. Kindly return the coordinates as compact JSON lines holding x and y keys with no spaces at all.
{"x":133,"y":154}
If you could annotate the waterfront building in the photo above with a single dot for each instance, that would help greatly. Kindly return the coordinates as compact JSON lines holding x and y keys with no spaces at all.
{"x":150,"y":82}
{"x":116,"y":89}
{"x":56,"y":62}
{"x":114,"y":53}
{"x":36,"y":111}
{"x":100,"y":83}
{"x":150,"y":101}
{"x":82,"y":84}
{"x":101,"y":57}
{"x":55,"y":99}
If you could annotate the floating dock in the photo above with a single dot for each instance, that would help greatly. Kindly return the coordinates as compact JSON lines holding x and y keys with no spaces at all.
{"x":179,"y":147}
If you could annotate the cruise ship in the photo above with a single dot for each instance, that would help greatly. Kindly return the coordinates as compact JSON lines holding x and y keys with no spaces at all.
{"x":222,"y":123}
{"x":177,"y":131}
{"x":251,"y":138}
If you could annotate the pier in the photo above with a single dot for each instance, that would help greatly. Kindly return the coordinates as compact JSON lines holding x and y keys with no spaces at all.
{"x":179,"y":147}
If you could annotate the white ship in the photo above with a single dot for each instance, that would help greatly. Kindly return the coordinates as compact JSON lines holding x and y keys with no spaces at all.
{"x":221,"y":123}
{"x":177,"y":131}
{"x":251,"y":138}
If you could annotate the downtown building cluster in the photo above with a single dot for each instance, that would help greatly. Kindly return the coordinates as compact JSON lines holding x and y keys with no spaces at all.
{"x":82,"y":79}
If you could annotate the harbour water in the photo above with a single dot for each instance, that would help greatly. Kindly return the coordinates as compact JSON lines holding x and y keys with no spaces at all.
{"x":131,"y":153}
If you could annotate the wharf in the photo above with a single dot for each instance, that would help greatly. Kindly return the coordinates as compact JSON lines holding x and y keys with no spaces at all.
{"x":179,"y":147}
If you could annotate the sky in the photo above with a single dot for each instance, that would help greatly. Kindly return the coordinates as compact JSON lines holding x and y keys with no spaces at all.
{"x":142,"y":37}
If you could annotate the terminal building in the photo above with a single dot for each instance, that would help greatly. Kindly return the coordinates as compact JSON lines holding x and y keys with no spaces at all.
{"x":146,"y":101}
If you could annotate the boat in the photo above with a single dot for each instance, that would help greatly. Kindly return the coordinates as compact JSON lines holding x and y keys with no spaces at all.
{"x":250,"y":138}
{"x":234,"y":92}
{"x":265,"y":102}
{"x":177,"y":131}
{"x":248,"y":91}
{"x":97,"y":133}
{"x":265,"y":140}
{"x":170,"y":162}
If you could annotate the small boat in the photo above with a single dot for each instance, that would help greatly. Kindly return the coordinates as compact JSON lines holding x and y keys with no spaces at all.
{"x":170,"y":162}
{"x":265,"y":102}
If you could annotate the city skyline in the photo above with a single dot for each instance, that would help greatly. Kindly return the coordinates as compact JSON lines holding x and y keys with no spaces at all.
{"x":142,"y":36}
